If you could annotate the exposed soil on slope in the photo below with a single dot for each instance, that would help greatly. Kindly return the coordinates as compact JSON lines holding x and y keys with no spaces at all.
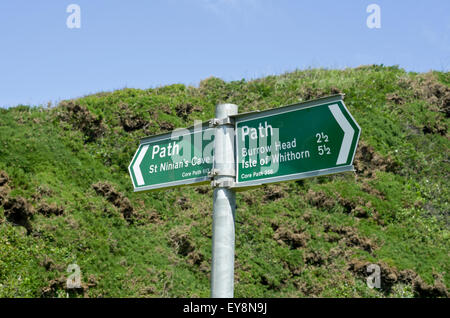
{"x":121,"y":202}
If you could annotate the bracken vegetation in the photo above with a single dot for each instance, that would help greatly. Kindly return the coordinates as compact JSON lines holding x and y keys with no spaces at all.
{"x":66,"y":197}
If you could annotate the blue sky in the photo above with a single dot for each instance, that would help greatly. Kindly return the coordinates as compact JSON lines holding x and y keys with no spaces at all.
{"x":149,"y":43}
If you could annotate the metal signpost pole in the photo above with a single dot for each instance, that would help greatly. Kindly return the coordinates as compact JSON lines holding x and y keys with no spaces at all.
{"x":224,"y":203}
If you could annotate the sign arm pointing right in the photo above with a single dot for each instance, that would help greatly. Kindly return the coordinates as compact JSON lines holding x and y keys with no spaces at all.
{"x":348,"y":133}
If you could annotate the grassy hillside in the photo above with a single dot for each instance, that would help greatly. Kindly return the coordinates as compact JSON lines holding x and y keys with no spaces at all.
{"x":66,"y":197}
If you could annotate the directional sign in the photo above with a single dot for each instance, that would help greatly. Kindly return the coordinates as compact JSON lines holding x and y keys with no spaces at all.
{"x":182,"y":157}
{"x":295,"y":142}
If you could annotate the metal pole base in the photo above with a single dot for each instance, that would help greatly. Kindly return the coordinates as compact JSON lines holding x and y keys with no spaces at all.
{"x":223,"y":241}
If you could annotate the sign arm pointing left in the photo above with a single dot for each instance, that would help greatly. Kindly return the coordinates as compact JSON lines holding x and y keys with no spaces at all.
{"x":136,"y":166}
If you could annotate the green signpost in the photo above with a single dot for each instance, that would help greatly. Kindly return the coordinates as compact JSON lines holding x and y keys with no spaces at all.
{"x":181,"y":157}
{"x":236,"y":151}
{"x":294,"y":142}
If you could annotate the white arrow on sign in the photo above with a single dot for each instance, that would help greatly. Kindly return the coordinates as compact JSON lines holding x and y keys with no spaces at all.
{"x":348,"y":133}
{"x":137,"y":163}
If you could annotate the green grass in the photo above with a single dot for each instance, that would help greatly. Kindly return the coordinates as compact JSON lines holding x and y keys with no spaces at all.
{"x":54,"y":155}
